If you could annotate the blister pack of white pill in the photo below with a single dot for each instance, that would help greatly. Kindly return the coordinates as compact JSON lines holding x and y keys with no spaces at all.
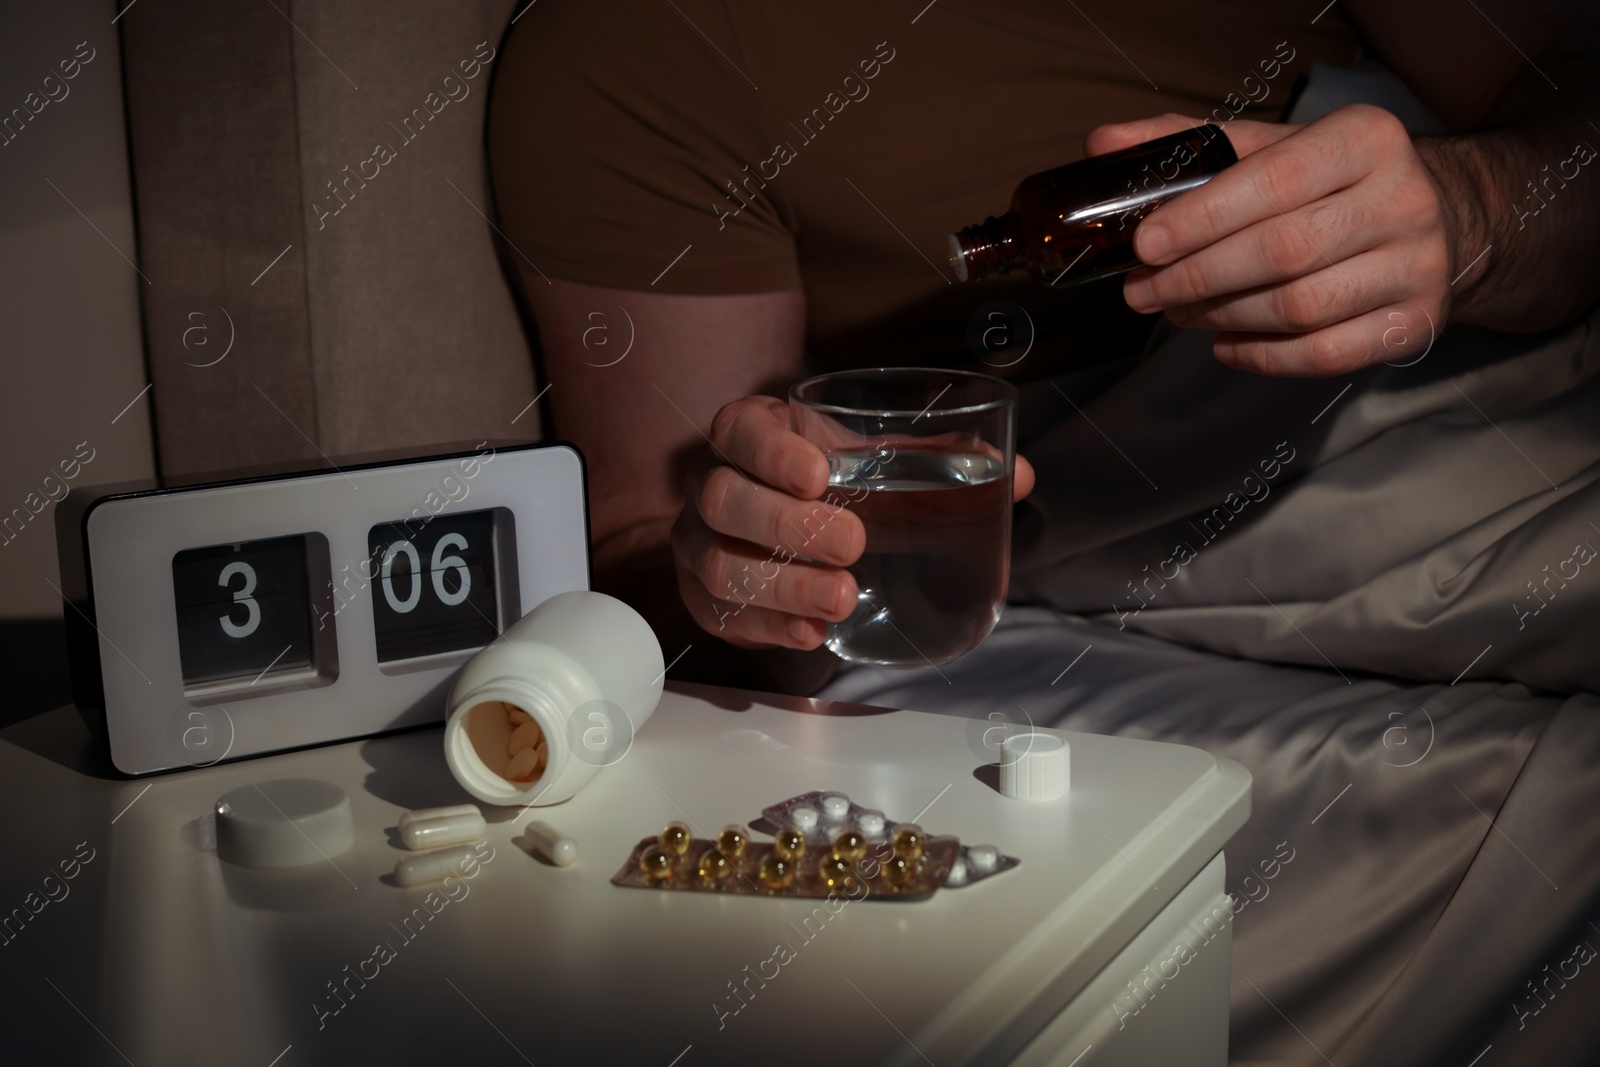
{"x":823,"y":816}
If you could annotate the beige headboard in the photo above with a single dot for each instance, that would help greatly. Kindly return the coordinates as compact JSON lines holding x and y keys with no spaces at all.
{"x":370,"y":318}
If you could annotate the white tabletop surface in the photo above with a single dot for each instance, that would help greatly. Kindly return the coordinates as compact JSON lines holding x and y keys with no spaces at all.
{"x":158,"y":953}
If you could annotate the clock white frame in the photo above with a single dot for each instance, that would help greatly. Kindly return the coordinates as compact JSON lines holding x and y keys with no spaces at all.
{"x":130,"y":541}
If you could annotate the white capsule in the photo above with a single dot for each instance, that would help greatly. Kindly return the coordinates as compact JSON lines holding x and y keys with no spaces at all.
{"x":803,"y":816}
{"x":984,"y":858}
{"x":433,"y":866}
{"x":442,"y":830}
{"x":958,"y":874}
{"x":436,"y":813}
{"x":835,"y":805}
{"x":550,"y":843}
{"x":870,"y":823}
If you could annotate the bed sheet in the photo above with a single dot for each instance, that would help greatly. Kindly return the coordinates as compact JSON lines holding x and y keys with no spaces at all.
{"x":1418,"y":881}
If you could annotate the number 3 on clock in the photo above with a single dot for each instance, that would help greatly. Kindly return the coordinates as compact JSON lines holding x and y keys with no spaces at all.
{"x":244,"y":610}
{"x":241,"y":596}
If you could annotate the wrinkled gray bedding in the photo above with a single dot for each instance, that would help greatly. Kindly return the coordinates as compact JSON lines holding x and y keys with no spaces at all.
{"x":1414,"y":521}
{"x":1403,"y":928}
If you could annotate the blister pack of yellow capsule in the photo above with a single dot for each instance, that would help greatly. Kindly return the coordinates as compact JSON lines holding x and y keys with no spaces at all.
{"x":822,"y":816}
{"x":907,"y":866}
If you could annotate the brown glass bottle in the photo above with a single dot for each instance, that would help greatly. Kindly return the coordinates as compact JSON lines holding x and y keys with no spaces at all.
{"x":1075,"y":223}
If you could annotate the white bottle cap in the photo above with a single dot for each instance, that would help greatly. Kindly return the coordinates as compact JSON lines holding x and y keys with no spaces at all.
{"x":1035,"y":766}
{"x":291,"y":822}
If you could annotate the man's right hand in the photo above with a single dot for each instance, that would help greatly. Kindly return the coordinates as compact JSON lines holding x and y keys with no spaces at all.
{"x":760,"y":555}
{"x":638,"y":398}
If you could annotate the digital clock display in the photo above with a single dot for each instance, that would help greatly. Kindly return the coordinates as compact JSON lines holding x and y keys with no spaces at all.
{"x":434,"y":590}
{"x":244,"y":610}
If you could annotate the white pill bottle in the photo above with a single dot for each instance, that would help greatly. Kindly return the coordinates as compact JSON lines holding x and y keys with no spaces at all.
{"x":585,"y":666}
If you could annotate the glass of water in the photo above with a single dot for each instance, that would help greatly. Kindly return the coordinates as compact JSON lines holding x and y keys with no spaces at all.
{"x":924,"y":458}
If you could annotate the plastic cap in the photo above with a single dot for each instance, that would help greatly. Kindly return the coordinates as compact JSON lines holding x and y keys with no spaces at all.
{"x":1035,"y":766}
{"x":291,"y":822}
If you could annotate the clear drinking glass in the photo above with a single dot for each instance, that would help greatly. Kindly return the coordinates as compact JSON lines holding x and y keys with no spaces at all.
{"x":924,"y":457}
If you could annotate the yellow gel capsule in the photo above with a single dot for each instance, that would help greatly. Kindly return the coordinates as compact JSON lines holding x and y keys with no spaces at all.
{"x":655,"y":864}
{"x":731,"y":841}
{"x":675,"y":838}
{"x":714,"y":866}
{"x":899,"y":871}
{"x":776,"y":872}
{"x":834,"y":872}
{"x":849,"y":846}
{"x":908,"y":842}
{"x":790,"y":843}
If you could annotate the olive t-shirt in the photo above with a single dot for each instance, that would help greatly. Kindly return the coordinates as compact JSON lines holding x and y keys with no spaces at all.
{"x":712,"y":146}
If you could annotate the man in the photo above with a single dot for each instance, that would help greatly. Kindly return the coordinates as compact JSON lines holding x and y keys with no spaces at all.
{"x":739,"y":195}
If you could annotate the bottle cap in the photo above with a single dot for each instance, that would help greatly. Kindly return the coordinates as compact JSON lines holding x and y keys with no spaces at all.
{"x":1035,"y":766}
{"x":290,"y":822}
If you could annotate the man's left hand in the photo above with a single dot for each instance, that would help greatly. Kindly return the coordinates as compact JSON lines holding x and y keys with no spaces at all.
{"x":1325,"y":249}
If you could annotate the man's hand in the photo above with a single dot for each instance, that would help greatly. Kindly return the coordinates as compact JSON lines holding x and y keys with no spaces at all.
{"x":1325,"y":249}
{"x":760,"y":552}
{"x":737,"y":538}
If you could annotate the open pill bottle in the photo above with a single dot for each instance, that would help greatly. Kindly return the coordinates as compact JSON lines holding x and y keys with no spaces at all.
{"x":584,"y":667}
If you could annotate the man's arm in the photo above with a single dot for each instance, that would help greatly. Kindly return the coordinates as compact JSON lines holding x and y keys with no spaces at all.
{"x":1521,"y":178}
